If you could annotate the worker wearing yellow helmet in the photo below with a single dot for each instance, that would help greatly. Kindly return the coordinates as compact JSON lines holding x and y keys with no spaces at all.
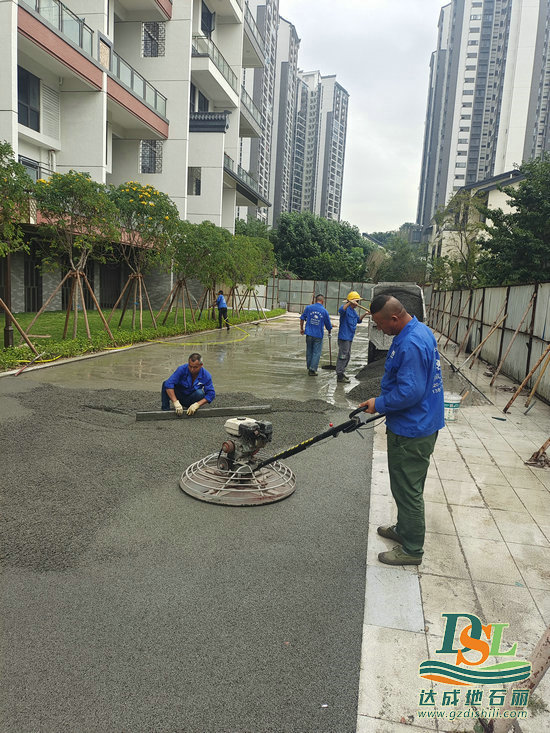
{"x":349,"y":318}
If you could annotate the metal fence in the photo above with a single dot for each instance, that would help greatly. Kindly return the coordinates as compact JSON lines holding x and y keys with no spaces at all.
{"x":520,"y":316}
{"x":294,"y":295}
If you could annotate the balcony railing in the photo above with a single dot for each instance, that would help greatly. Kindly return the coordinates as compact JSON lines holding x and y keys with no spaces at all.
{"x":247,"y":102}
{"x":203,"y":46}
{"x":65,"y":21}
{"x":241,"y":173}
{"x":251,"y":22}
{"x":134,"y":81}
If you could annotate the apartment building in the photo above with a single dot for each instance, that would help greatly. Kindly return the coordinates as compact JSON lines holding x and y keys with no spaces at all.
{"x":319,"y":145}
{"x":488,"y":95}
{"x":147,"y":90}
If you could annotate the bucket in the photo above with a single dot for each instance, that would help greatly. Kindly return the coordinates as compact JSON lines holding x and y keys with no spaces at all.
{"x":451,"y":403}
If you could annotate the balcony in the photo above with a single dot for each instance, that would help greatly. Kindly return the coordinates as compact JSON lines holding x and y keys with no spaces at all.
{"x":250,"y":117}
{"x":134,"y":81}
{"x":65,"y":21}
{"x":247,"y":187}
{"x":228,"y":11}
{"x":212,"y":73}
{"x":253,"y":42}
{"x":146,"y":9}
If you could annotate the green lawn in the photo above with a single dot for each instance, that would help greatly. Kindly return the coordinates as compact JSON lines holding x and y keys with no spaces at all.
{"x":46,"y":333}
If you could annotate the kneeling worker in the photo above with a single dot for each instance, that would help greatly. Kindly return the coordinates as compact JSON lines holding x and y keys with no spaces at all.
{"x":190,"y":386}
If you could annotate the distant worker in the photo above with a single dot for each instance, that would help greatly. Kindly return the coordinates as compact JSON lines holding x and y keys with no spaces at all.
{"x":349,"y":318}
{"x":190,"y":386}
{"x":316,"y":319}
{"x":222,"y":310}
{"x":411,"y":398}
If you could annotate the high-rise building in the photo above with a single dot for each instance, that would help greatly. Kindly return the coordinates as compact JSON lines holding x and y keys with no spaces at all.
{"x":319,"y":145}
{"x":488,"y":95}
{"x":284,"y":104}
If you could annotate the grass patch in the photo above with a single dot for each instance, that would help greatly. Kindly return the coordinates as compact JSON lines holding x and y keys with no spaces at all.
{"x":51,"y":324}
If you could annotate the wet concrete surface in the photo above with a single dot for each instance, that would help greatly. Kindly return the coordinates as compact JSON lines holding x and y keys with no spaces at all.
{"x":128,"y":605}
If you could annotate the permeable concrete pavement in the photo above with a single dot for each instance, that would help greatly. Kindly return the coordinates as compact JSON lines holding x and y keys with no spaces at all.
{"x":128,"y":605}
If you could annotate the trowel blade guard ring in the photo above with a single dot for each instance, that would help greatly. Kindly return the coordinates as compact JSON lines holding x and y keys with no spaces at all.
{"x":241,"y":486}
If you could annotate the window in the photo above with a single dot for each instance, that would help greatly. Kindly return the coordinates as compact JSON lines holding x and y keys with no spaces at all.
{"x":28,"y":103}
{"x":193,"y":181}
{"x":153,"y":39}
{"x":462,"y":140}
{"x":202,"y":103}
{"x":460,"y":165}
{"x":208,"y":19}
{"x":473,"y":43}
{"x":31,"y":166}
{"x":150,"y":156}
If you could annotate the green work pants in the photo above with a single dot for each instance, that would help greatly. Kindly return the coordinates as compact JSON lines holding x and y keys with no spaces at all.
{"x":408,"y":462}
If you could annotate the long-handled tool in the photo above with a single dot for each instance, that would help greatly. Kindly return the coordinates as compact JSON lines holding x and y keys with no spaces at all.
{"x":330,"y":365}
{"x":237,"y":477}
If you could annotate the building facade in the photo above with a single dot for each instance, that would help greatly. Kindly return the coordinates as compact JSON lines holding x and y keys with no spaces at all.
{"x":148,"y":90}
{"x":488,"y":95}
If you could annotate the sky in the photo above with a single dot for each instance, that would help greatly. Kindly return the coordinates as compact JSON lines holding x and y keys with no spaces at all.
{"x":380,"y":52}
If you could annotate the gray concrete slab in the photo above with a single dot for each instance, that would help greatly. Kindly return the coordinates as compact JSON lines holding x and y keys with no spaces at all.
{"x":128,"y":605}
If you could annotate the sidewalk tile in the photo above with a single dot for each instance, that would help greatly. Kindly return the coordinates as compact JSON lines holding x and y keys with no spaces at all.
{"x":523,"y":478}
{"x":476,"y":457}
{"x":502,"y":497}
{"x":536,"y":502}
{"x":438,"y":518}
{"x":442,"y":556}
{"x":378,"y":544}
{"x":506,"y":458}
{"x":390,"y":684}
{"x":440,"y":594}
{"x":491,"y":561}
{"x":375,"y":725}
{"x":542,"y":599}
{"x":519,"y":527}
{"x":433,"y":491}
{"x":464,"y":493}
{"x":393,"y":599}
{"x":515,"y":606}
{"x":489,"y":475}
{"x":382,"y":509}
{"x":455,"y":470}
{"x":534,"y":563}
{"x":475,"y":522}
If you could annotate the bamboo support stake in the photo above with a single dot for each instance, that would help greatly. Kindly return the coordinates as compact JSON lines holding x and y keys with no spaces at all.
{"x":544,"y":367}
{"x":17,"y":326}
{"x":98,"y":307}
{"x":464,"y":340}
{"x":186,"y":289}
{"x":118,"y":301}
{"x":457,"y":320}
{"x":512,"y":340}
{"x":69,"y":308}
{"x":46,"y":304}
{"x":491,"y":331}
{"x":527,"y":378}
{"x":84,"y":311}
{"x":480,"y":345}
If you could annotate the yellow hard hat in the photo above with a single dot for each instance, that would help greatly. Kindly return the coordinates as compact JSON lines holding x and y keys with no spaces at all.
{"x":353,"y":295}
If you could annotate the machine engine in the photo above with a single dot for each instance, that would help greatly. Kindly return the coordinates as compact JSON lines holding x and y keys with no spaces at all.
{"x":247,"y":437}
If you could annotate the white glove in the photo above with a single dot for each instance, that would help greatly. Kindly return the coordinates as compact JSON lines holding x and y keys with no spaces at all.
{"x":178,"y":407}
{"x":192,"y":410}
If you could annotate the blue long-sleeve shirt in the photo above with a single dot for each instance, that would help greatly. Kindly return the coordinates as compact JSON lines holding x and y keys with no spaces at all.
{"x":183,"y":378}
{"x":317,"y":319}
{"x":412,"y":385}
{"x":348,"y":323}
{"x":220,"y":301}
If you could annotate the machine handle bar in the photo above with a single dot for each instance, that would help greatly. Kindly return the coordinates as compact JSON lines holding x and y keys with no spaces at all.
{"x":345,"y":427}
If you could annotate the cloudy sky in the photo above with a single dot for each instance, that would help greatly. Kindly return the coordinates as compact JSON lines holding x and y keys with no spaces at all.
{"x":380,"y":52}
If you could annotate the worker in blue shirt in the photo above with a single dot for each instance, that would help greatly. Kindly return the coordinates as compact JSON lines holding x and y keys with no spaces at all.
{"x":412,"y":400}
{"x":315,"y":318}
{"x":349,"y":318}
{"x":190,"y":386}
{"x":222,"y":310}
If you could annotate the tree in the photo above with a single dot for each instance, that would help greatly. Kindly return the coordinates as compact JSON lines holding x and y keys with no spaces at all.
{"x":79,"y":223}
{"x":148,"y":220}
{"x":517,"y":244}
{"x":15,"y":188}
{"x":252,"y":227}
{"x":209,"y":255}
{"x":406,"y":263}
{"x":459,"y":226}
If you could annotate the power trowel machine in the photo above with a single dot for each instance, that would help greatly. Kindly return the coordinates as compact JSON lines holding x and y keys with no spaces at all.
{"x":237,"y":476}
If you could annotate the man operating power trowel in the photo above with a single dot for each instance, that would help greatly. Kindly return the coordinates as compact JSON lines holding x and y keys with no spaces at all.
{"x":412,"y":401}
